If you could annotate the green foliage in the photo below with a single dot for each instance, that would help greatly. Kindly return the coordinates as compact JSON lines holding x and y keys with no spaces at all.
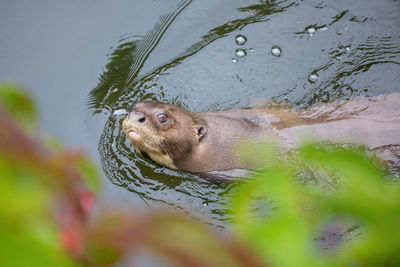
{"x":286,"y":236}
{"x":28,"y":233}
{"x":18,"y":102}
{"x":24,"y":250}
{"x":89,"y":173}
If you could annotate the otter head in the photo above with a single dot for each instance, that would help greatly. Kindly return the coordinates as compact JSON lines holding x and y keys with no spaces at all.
{"x":164,"y":132}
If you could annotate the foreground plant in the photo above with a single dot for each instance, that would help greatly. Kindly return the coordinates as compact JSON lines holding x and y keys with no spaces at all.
{"x":362,"y":207}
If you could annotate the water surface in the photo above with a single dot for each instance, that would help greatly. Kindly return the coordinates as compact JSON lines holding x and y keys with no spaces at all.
{"x":213,"y":55}
{"x":87,"y":63}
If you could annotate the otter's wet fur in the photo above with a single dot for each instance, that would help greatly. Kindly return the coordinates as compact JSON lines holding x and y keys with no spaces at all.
{"x":208,"y":141}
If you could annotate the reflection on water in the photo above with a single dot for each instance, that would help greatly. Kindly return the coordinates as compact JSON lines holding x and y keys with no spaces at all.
{"x":299,"y":52}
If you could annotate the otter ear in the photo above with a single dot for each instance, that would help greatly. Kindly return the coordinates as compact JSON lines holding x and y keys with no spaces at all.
{"x":201,"y":131}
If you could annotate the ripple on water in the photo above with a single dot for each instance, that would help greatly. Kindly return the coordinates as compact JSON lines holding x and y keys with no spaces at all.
{"x":120,"y":112}
{"x":361,"y":66}
{"x":311,"y":31}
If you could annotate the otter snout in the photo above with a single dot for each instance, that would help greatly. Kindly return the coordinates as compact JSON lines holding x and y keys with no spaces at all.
{"x":135,"y":115}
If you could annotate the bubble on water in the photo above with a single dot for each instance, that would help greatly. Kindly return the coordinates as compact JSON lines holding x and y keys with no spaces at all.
{"x":276,"y":51}
{"x":347,"y":48}
{"x":240,"y":39}
{"x":311,"y":31}
{"x":234,"y":60}
{"x":313,"y":78}
{"x":120,"y":112}
{"x":240,"y":53}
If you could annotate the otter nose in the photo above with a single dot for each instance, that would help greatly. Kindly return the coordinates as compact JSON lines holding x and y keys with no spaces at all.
{"x":137,"y":116}
{"x":140,"y":117}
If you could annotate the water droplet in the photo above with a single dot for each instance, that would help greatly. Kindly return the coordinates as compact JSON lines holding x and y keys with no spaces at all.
{"x":240,"y":53}
{"x":347,"y":48}
{"x":240,"y":39}
{"x":311,"y":31}
{"x":234,"y":60}
{"x":205,"y":204}
{"x":323,"y":29}
{"x":313,"y":78}
{"x":251,"y":49}
{"x":338,"y":57}
{"x":276,"y":51}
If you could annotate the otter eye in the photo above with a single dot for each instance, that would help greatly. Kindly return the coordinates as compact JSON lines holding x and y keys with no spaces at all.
{"x":163,"y":118}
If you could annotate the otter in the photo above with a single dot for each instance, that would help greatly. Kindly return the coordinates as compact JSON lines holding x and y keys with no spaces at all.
{"x":207,"y":141}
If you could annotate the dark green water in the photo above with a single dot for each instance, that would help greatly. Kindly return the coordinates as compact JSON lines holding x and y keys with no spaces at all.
{"x":87,"y":63}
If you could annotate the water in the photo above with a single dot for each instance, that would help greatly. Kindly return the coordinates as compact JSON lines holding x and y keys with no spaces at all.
{"x":184,"y":53}
{"x":276,"y":51}
{"x":311,"y":31}
{"x":240,"y":52}
{"x":313,"y":78}
{"x":240,"y":39}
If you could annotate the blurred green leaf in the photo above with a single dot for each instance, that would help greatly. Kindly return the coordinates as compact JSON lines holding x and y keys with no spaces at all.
{"x":19,"y":103}
{"x":17,"y":250}
{"x":89,"y":172}
{"x":20,"y":194}
{"x":286,"y":236}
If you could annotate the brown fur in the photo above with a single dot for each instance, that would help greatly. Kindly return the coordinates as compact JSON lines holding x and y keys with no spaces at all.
{"x":207,"y":141}
{"x":166,"y":140}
